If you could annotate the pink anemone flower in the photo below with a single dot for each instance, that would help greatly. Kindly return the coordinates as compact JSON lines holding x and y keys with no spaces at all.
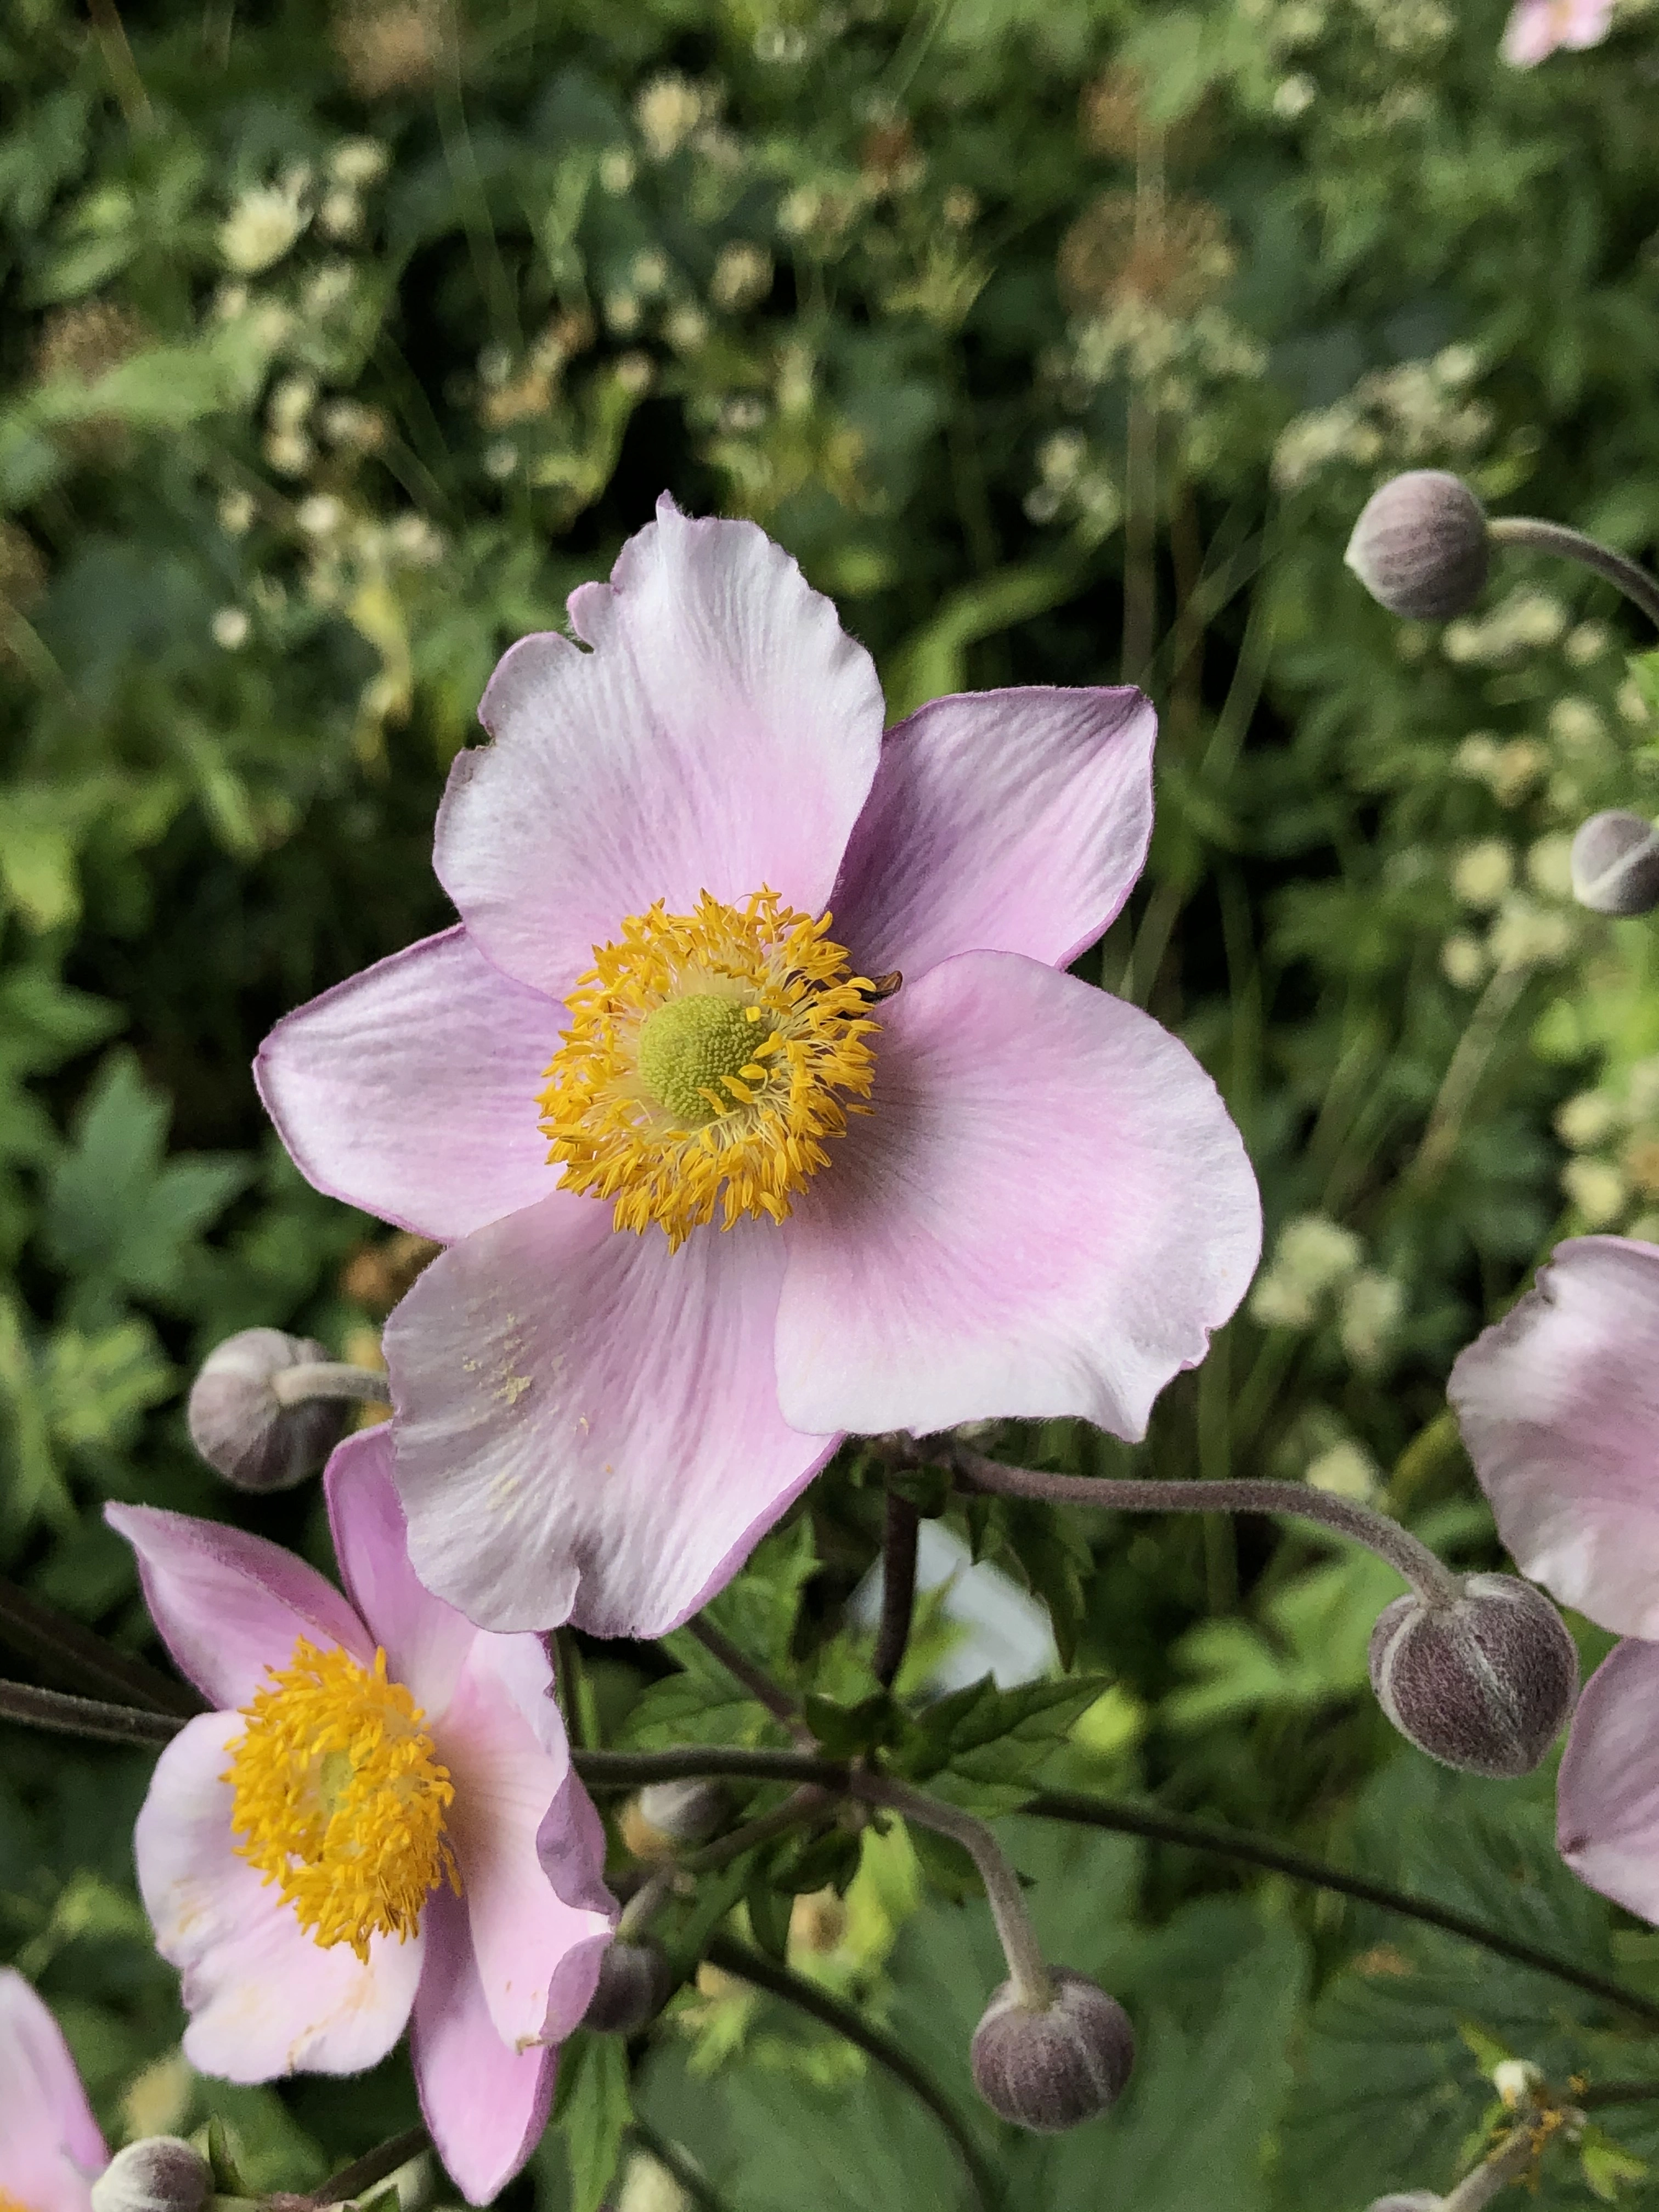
{"x":750,"y":1095}
{"x":1536,"y":29}
{"x":377,"y":1826}
{"x":51,"y":2150}
{"x":1558,"y":1404}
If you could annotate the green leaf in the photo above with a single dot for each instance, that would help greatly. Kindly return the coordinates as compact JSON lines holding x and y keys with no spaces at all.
{"x":592,"y":2114}
{"x":843,"y":1731}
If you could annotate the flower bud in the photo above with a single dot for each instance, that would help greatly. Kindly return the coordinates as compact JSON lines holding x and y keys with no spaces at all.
{"x":633,"y":1987}
{"x":161,"y":2174}
{"x":1483,"y":1683}
{"x":243,"y":1430}
{"x":1416,"y":2200}
{"x":688,"y":1812}
{"x":1419,"y":546}
{"x":1052,"y":2067}
{"x":1615,"y":864}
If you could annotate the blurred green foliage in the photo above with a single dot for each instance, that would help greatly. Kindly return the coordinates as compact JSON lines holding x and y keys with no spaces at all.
{"x":1060,"y":339}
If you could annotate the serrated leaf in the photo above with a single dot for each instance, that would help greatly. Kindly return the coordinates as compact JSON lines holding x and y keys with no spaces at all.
{"x":843,"y":1731}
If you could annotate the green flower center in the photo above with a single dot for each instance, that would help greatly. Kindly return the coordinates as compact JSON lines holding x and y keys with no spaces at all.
{"x":696,"y":1052}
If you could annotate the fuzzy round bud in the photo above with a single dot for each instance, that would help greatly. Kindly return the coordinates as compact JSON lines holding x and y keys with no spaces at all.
{"x":1483,"y":1683}
{"x":688,"y":1812}
{"x":634,"y":1986}
{"x":1615,"y":864}
{"x":243,"y":1430}
{"x":161,"y":2174}
{"x":1415,"y":2200}
{"x":1052,"y":2067}
{"x":1419,"y":546}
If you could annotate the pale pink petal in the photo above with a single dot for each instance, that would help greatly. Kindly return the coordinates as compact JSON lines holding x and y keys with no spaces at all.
{"x":538,"y":1931}
{"x":1608,"y":1801}
{"x":426,"y":1641}
{"x":484,"y":2102}
{"x":263,"y":1999}
{"x":410,"y":1089}
{"x":1558,"y":1404}
{"x":720,"y":736}
{"x":1529,"y":35}
{"x":999,"y":822}
{"x":1047,"y":1213}
{"x":1585,"y":23}
{"x":228,"y":1606}
{"x":50,"y":2143}
{"x":587,"y":1423}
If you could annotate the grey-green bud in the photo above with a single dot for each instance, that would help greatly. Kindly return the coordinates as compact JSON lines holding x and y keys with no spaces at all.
{"x":244,"y":1430}
{"x":1615,"y":864}
{"x":1052,"y":2067}
{"x":687,"y":1812}
{"x":1419,"y":546}
{"x":1484,"y":1684}
{"x":161,"y":2174}
{"x":634,"y":1986}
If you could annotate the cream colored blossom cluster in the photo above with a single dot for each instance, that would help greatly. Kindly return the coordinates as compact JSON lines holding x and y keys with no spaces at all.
{"x":1420,"y":412}
{"x":1318,"y":1272}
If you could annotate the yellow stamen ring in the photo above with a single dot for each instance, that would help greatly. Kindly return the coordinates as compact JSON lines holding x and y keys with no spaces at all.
{"x":709,"y":1058}
{"x":339,"y":1798}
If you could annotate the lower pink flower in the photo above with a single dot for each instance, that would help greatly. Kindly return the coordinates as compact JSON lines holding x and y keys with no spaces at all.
{"x":1558,"y":1404}
{"x":1536,"y":29}
{"x":378,"y":1825}
{"x":51,"y":2150}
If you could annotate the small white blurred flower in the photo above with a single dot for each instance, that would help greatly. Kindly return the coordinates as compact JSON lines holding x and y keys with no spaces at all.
{"x":616,"y":170}
{"x":1372,"y":1305}
{"x":1294,"y":97}
{"x":359,"y":163}
{"x":743,"y":275}
{"x":340,"y":214}
{"x":686,"y":328}
{"x":236,"y":513}
{"x":1588,"y":642}
{"x":1483,"y":872}
{"x":1345,"y":1470}
{"x":1587,"y":1120}
{"x":290,"y":401}
{"x":1529,"y":936}
{"x":1515,"y":2081}
{"x":290,"y":452}
{"x":1576,"y":725}
{"x":320,"y":515}
{"x":621,"y":313}
{"x":667,"y":110}
{"x":649,"y":273}
{"x":230,"y":628}
{"x":634,"y":373}
{"x":262,"y":226}
{"x":1463,"y":960}
{"x":1597,"y":1188}
{"x":501,"y":459}
{"x":1549,"y":867}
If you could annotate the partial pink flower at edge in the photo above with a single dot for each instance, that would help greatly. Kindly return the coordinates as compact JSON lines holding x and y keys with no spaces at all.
{"x":1046,"y":1211}
{"x":493,"y":1978}
{"x":1537,"y":29}
{"x":51,"y":2149}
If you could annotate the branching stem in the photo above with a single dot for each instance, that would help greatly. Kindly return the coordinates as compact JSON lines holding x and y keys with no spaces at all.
{"x":755,"y":1679}
{"x":373,"y":2166}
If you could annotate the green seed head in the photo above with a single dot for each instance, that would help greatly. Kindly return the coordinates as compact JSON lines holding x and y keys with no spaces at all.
{"x":689,"y":1046}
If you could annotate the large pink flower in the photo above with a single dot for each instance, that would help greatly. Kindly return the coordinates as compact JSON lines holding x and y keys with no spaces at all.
{"x":379,"y":1823}
{"x":1537,"y":28}
{"x":1558,"y":1404}
{"x":688,"y":869}
{"x":50,"y":2151}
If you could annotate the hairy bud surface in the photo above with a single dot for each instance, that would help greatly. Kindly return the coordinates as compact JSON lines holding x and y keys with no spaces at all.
{"x":1050,"y":2067}
{"x":1419,"y":546}
{"x":632,"y":1989}
{"x":1484,"y":1684}
{"x":161,"y":2174}
{"x":242,"y":1429}
{"x":687,"y":1812}
{"x":1615,"y":864}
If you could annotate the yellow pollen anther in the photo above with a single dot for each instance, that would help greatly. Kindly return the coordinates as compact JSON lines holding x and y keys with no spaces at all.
{"x":11,"y":2204}
{"x":338,"y":1797}
{"x":709,"y":1058}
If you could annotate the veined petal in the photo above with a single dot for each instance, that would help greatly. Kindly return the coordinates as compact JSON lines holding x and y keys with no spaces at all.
{"x":426,"y":1641}
{"x":720,"y":736}
{"x":538,"y":1928}
{"x":410,"y":1089}
{"x":485,"y":2103}
{"x":1046,"y":1213}
{"x":227,"y":1606}
{"x":50,"y":2143}
{"x":1000,"y":822}
{"x":264,"y":2000}
{"x":1559,"y":1403}
{"x":587,"y":1423}
{"x":1607,"y":1803}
